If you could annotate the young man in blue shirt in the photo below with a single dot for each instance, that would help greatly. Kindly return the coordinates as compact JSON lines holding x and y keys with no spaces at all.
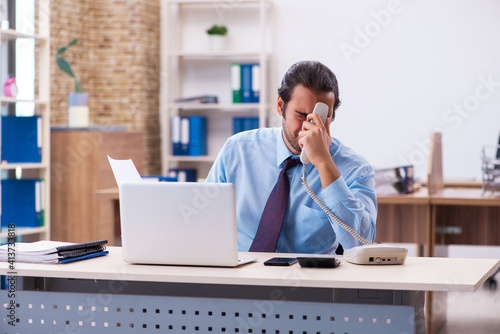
{"x":342,"y":179}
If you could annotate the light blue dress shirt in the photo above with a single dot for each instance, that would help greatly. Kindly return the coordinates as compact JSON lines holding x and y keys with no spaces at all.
{"x":253,"y":160}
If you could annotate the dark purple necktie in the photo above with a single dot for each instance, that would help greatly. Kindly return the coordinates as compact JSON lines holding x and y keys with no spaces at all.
{"x":274,"y":212}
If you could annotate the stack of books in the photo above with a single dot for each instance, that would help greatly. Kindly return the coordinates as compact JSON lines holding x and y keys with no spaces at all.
{"x":189,"y":135}
{"x":46,"y":251}
{"x":245,"y":82}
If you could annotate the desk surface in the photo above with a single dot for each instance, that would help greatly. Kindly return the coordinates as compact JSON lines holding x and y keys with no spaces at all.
{"x":465,"y":196}
{"x":419,"y":197}
{"x":418,"y":273}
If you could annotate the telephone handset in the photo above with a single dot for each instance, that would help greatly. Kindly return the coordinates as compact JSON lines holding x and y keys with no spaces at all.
{"x":368,"y":253}
{"x":322,"y":110}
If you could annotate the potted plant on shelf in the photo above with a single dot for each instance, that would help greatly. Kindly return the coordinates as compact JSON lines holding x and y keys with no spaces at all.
{"x":218,"y":37}
{"x":78,"y":113}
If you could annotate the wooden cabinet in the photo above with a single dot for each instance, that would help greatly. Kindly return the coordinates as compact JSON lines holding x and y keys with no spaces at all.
{"x":79,"y":168}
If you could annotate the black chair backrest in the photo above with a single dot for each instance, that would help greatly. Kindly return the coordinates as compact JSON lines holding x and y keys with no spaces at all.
{"x":498,"y":153}
{"x":498,"y":149}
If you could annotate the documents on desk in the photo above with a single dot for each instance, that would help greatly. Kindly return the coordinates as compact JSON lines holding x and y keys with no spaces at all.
{"x":46,"y":251}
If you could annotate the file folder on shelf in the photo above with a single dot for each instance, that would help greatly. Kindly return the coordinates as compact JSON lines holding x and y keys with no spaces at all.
{"x":244,"y":124}
{"x":236,"y":82}
{"x":22,"y":202}
{"x":184,"y":136}
{"x":176,"y":135}
{"x":189,"y":135}
{"x":197,"y":136}
{"x":246,"y":83}
{"x":21,"y":139}
{"x":255,"y":96}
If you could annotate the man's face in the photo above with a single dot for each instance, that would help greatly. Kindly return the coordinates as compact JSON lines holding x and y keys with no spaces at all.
{"x":300,"y":105}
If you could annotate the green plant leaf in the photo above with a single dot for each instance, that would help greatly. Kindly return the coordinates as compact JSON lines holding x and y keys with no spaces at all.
{"x":63,"y":65}
{"x":64,"y":48}
{"x":61,"y":51}
{"x":217,"y":30}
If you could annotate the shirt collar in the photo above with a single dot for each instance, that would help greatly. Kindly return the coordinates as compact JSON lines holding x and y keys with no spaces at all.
{"x":283,"y":153}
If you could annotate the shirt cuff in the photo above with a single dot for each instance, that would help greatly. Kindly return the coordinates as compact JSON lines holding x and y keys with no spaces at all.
{"x":335,"y":193}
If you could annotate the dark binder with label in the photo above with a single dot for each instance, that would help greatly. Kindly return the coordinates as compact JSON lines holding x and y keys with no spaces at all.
{"x":255,"y":83}
{"x":176,"y":136}
{"x":246,"y":83}
{"x":197,"y":135}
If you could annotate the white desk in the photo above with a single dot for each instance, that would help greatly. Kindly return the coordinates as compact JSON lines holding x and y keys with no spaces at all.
{"x":107,"y":295}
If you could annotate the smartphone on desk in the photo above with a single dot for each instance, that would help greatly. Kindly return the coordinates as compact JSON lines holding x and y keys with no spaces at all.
{"x":318,"y":261}
{"x":280,"y":261}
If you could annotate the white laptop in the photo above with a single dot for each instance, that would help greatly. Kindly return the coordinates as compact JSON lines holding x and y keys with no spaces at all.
{"x":178,"y":223}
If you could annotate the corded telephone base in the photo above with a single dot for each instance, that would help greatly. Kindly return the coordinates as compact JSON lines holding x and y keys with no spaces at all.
{"x":376,"y":254}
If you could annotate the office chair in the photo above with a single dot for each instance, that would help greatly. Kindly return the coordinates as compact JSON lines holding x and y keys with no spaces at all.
{"x":498,"y":152}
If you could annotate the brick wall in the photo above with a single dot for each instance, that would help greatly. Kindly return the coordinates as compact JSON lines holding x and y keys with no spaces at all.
{"x":116,"y":61}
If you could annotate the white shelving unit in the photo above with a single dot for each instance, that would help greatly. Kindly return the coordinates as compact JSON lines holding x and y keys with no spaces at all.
{"x":189,"y":68}
{"x":41,"y":37}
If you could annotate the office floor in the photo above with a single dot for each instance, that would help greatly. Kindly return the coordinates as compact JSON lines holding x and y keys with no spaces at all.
{"x":477,"y":312}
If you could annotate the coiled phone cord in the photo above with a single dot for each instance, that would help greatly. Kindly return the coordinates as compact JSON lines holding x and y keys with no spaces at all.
{"x":330,"y":214}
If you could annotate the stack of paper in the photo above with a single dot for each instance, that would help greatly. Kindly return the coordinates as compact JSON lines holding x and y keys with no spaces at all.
{"x":52,"y":251}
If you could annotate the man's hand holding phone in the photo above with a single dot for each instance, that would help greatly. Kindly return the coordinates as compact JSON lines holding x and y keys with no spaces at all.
{"x":315,"y":135}
{"x":315,"y":142}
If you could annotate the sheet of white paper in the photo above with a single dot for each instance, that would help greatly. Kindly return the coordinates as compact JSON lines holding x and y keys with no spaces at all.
{"x":124,"y":171}
{"x":38,"y":247}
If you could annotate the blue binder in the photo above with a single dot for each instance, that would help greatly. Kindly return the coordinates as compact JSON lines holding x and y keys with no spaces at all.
{"x":237,"y":124}
{"x":255,"y":83}
{"x":246,"y":83}
{"x":197,"y":135}
{"x":21,"y":139}
{"x":185,"y":135}
{"x":176,"y":135}
{"x":251,"y":123}
{"x":255,"y":122}
{"x":244,"y":124}
{"x":21,"y":203}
